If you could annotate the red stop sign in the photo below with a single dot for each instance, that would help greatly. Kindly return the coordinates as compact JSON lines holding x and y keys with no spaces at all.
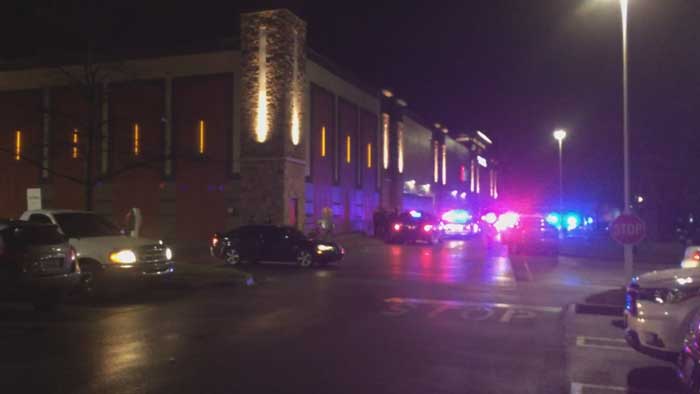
{"x":628,"y":229}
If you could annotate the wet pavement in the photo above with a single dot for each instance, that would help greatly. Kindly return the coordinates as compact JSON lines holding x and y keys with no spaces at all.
{"x":452,"y":318}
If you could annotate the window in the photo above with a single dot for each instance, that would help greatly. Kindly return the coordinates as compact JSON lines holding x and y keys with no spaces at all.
{"x":348,"y":149}
{"x":39,"y":218}
{"x":202,"y":136}
{"x":18,"y":144}
{"x":137,"y":140}
{"x":75,"y":140}
{"x":385,"y":140}
{"x":369,"y":155}
{"x":323,"y":141}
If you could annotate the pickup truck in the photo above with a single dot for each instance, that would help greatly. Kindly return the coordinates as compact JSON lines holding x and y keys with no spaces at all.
{"x":104,"y":252}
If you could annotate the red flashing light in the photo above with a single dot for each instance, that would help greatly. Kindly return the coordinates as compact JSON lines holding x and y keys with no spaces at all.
{"x":428,"y":228}
{"x":397,"y":226}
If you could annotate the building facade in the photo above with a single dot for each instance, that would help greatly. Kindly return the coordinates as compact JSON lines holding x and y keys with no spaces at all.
{"x":255,"y":131}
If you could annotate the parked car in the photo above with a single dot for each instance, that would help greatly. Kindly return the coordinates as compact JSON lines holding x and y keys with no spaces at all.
{"x":273,"y":243}
{"x":414,"y":226}
{"x":688,"y":363}
{"x":691,"y":257}
{"x":106,"y":255}
{"x":531,"y":234}
{"x":36,"y":263}
{"x":659,"y":307}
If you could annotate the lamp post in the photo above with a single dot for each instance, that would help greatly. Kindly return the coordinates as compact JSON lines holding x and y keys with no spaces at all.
{"x":560,"y":135}
{"x":629,"y":257}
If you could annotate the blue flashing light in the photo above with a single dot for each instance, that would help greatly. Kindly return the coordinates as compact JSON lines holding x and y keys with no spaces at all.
{"x":415,"y":214}
{"x":459,"y":216}
{"x":553,"y":218}
{"x":572,"y":221}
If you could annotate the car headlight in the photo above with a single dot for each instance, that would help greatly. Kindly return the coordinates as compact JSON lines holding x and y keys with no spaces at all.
{"x":324,"y":248}
{"x":123,"y":257}
{"x":168,"y":254}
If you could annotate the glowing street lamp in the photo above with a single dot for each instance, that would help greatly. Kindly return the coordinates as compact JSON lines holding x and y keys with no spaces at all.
{"x":560,"y":135}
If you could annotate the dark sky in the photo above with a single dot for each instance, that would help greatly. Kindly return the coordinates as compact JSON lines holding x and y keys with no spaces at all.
{"x":516,"y":69}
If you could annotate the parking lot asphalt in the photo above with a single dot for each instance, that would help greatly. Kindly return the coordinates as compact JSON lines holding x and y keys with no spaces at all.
{"x":453,"y":318}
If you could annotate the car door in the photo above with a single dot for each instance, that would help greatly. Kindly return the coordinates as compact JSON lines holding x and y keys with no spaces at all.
{"x":248,"y":242}
{"x":273,"y":244}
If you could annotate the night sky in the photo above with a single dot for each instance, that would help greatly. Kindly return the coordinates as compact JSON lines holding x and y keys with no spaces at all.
{"x":516,"y":69}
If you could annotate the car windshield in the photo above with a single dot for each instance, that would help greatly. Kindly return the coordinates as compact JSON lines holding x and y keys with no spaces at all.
{"x":37,"y":235}
{"x":80,"y":224}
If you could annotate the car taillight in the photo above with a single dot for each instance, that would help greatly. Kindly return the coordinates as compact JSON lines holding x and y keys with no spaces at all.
{"x":72,"y":255}
{"x":215,"y":240}
{"x":428,"y":228}
{"x":397,"y":226}
{"x":696,"y":255}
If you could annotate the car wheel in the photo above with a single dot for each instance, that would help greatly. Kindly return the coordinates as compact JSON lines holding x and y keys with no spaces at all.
{"x":89,"y":277}
{"x":304,"y":259}
{"x":232,"y":257}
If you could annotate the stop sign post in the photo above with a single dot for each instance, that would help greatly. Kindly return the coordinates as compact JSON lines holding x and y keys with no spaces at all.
{"x":628,"y":229}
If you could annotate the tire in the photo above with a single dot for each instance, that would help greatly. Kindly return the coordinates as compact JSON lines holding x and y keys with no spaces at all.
{"x":232,"y":257}
{"x":89,"y":282}
{"x":304,"y":258}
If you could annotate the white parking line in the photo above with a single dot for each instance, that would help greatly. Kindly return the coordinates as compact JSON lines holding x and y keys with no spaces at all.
{"x":538,"y":308}
{"x":579,"y":388}
{"x":603,"y":343}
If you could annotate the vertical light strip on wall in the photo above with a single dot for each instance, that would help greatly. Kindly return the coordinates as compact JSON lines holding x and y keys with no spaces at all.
{"x":296,"y":123}
{"x":399,"y":141}
{"x":137,"y":140}
{"x":436,"y":163}
{"x":323,"y":141}
{"x":369,"y":155}
{"x":18,"y":144}
{"x":261,"y":116}
{"x":348,"y":150}
{"x":478,"y":180}
{"x":75,"y":144}
{"x":495,"y":184}
{"x":201,"y":137}
{"x":444,"y":164}
{"x":472,"y":176}
{"x":385,"y":140}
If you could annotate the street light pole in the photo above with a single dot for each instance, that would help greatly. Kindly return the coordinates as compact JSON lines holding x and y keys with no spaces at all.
{"x":628,"y":252}
{"x":560,"y":135}
{"x":561,"y":177}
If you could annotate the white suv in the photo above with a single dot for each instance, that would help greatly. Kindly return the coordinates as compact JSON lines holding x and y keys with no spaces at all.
{"x":659,"y":308}
{"x":104,"y":253}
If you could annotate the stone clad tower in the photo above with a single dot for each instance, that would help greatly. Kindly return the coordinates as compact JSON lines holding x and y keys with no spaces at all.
{"x":273,"y":64}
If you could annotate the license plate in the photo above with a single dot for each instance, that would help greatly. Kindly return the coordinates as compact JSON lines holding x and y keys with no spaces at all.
{"x":51,"y":264}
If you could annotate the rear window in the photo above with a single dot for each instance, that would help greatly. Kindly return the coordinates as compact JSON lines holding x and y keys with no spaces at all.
{"x":36,"y":235}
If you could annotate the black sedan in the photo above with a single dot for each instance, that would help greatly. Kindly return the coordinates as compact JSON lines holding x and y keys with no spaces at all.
{"x":273,"y":243}
{"x":531,"y":234}
{"x":36,"y":263}
{"x":414,"y":226}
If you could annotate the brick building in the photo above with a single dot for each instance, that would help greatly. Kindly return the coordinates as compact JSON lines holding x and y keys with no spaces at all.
{"x":260,"y":129}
